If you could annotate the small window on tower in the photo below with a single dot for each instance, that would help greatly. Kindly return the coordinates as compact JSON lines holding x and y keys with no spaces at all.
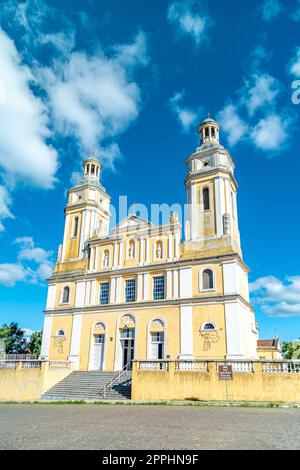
{"x":207,"y":132}
{"x":205,"y":194}
{"x":213,"y":132}
{"x":75,"y":232}
{"x":92,"y":169}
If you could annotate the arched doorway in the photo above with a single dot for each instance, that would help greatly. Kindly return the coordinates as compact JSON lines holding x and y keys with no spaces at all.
{"x":127,"y":339}
{"x":98,"y":339}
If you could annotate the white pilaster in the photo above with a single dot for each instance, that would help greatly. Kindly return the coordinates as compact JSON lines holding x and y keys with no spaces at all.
{"x":120,"y":254}
{"x":175,"y":283}
{"x":50,"y":304}
{"x":112,"y":289}
{"x":66,"y":231}
{"x":219,"y":205}
{"x":185,"y":283}
{"x":146,"y":286}
{"x":169,"y":284}
{"x":186,"y":332}
{"x":170,"y":251}
{"x":46,"y":337}
{"x":75,"y":341}
{"x":234,"y":338}
{"x":115,"y":255}
{"x":80,"y":294}
{"x":139,"y":287}
{"x":147,"y":250}
{"x":141,"y":258}
{"x":193,"y":211}
{"x":177,"y":243}
{"x":118,"y":289}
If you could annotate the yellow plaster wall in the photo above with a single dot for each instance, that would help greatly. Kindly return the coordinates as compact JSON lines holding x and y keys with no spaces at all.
{"x":58,"y":294}
{"x":28,"y":384}
{"x":143,"y":316}
{"x":72,"y":248}
{"x":217,"y":268}
{"x":245,"y":386}
{"x":212,"y":345}
{"x":60,"y":348}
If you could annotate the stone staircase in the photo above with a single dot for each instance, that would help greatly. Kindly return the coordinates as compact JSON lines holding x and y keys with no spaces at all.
{"x":84,"y":385}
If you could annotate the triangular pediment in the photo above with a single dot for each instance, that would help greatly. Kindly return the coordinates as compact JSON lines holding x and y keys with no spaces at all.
{"x":132,"y":222}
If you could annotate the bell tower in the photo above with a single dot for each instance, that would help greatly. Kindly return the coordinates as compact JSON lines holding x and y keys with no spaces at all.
{"x":87,"y":212}
{"x":211,"y":192}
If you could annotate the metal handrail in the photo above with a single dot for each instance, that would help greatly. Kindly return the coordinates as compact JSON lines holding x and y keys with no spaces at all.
{"x":113,"y":380}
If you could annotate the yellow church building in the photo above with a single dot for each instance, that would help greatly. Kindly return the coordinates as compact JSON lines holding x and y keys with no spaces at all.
{"x":147,"y":291}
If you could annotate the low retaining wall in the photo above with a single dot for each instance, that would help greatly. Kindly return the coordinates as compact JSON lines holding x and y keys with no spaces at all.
{"x":27,"y":380}
{"x":269,"y":381}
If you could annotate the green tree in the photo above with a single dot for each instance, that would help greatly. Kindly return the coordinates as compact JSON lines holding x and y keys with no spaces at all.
{"x":35,"y":342}
{"x":13,"y":338}
{"x":291,"y":350}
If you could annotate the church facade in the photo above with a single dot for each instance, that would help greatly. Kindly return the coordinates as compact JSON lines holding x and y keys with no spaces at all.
{"x":146,"y":291}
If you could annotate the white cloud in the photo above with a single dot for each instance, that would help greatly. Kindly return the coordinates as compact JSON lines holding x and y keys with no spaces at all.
{"x":187,"y":117}
{"x":190,"y":19}
{"x":270,"y":9}
{"x":260,"y":90}
{"x":34,"y":264}
{"x":295,"y":64}
{"x":270,"y":133}
{"x":94,"y":98}
{"x":275,"y":297}
{"x":11,"y":273}
{"x":5,"y":202}
{"x":24,"y":150}
{"x":235,"y":128}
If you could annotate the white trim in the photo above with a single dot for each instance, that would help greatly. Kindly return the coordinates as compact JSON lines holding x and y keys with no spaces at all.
{"x":118,"y":349}
{"x":75,"y":341}
{"x":91,"y":345}
{"x":185,"y":283}
{"x":200,"y":280}
{"x":148,"y":352}
{"x":46,"y":337}
{"x":50,"y":303}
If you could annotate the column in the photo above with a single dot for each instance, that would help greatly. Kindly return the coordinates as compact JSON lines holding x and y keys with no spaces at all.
{"x":118,"y":289}
{"x":193,"y":211}
{"x":120,"y":254}
{"x":147,"y":250}
{"x":170,"y":240}
{"x":139,"y":287}
{"x":177,"y":243}
{"x":146,"y":286}
{"x":219,"y":205}
{"x":115,"y":255}
{"x":112,"y":289}
{"x":141,"y":259}
{"x":75,"y":341}
{"x":96,"y":258}
{"x":46,"y":337}
{"x":175,"y":283}
{"x":169,"y":284}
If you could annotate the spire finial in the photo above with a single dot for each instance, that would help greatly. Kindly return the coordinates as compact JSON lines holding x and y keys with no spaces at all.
{"x":208,"y":113}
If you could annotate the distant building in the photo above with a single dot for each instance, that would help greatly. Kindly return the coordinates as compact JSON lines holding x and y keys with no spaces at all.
{"x":138,"y":291}
{"x":269,"y":349}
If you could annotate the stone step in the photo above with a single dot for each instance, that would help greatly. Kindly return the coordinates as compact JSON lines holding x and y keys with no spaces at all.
{"x":85,"y":385}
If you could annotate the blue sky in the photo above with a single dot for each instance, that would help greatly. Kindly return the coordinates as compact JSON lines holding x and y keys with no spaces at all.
{"x":133,"y":79}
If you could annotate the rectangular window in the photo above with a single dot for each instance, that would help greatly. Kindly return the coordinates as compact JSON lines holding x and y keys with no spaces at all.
{"x":158,"y":288}
{"x":104,"y":293}
{"x":130,"y":290}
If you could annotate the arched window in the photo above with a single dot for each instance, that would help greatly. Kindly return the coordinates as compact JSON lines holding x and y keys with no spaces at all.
{"x":205,"y":195}
{"x":75,"y":232}
{"x":66,"y":295}
{"x":60,"y":333}
{"x":207,"y":279}
{"x":208,"y":326}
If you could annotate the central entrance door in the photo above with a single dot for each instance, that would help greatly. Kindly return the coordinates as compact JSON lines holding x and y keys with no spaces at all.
{"x":127,"y":342}
{"x":98,"y":352}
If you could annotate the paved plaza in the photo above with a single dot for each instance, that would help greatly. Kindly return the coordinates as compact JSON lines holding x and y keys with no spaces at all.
{"x":147,"y":427}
